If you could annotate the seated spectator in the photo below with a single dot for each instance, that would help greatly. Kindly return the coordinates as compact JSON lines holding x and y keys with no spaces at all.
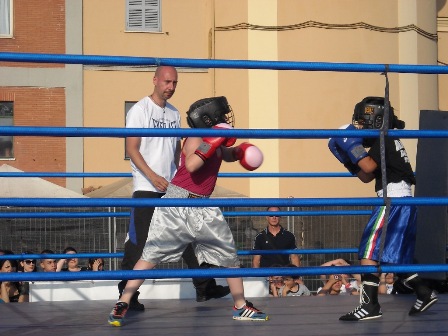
{"x":13,"y":262}
{"x":275,"y":283}
{"x":386,"y":283}
{"x":333,"y":286}
{"x":72,"y":263}
{"x":293,"y":286}
{"x":9,"y":291}
{"x":350,"y":282}
{"x":26,"y":265}
{"x":96,"y":264}
{"x":48,"y":265}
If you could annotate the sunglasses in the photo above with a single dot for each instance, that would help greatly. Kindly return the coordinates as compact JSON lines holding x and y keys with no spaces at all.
{"x":275,"y":216}
{"x":29,"y":262}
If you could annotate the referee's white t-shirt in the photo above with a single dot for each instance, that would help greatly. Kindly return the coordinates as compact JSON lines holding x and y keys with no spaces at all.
{"x":158,"y":152}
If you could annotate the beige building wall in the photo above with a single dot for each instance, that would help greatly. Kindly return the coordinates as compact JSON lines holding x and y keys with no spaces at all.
{"x":265,"y":99}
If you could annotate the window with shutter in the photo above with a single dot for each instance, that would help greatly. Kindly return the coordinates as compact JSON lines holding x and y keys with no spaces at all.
{"x":5,"y":18}
{"x":143,"y":15}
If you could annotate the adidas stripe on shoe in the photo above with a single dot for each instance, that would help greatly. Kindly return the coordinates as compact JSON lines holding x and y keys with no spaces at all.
{"x":363,"y":312}
{"x":422,"y":305}
{"x":249,"y":313}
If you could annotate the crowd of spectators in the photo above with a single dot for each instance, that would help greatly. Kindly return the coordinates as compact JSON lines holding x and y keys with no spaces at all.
{"x":273,"y":237}
{"x":19,"y":291}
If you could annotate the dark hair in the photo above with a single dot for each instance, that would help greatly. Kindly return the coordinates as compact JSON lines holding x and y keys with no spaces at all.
{"x":20,"y":267}
{"x":46,"y":251}
{"x":13,"y":262}
{"x":3,"y":261}
{"x":92,"y":260}
{"x":69,"y":249}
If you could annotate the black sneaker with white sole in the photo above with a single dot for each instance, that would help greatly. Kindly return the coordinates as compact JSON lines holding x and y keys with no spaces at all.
{"x":363,"y":312}
{"x":423,"y":304}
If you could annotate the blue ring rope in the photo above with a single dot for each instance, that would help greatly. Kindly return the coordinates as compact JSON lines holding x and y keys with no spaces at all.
{"x":217,"y":202}
{"x":216,"y":273}
{"x":217,"y":63}
{"x":120,"y":132}
{"x":225,"y":213}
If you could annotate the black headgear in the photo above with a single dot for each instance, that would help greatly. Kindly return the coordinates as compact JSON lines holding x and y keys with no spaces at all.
{"x":208,"y":112}
{"x":370,"y":114}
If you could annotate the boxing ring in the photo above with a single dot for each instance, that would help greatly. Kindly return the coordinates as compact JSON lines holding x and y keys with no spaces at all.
{"x":288,"y":316}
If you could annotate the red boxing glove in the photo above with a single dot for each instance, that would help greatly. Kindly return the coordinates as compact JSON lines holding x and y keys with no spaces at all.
{"x":209,"y":145}
{"x":229,"y":141}
{"x":250,"y":156}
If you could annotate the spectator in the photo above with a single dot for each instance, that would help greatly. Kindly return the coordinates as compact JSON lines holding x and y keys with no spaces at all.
{"x":332,"y":286}
{"x":96,"y":264}
{"x":9,"y":291}
{"x":48,"y":265}
{"x":13,"y":262}
{"x":71,"y":263}
{"x":293,"y":286}
{"x":275,"y":237}
{"x":26,"y":265}
{"x":387,"y":281}
{"x":350,"y":282}
{"x":275,"y":283}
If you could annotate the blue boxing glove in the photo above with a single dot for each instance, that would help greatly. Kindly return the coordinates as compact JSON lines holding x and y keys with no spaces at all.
{"x":343,"y":157}
{"x":352,"y":146}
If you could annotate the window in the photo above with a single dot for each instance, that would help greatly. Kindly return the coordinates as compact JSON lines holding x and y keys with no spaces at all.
{"x":143,"y":15}
{"x":6,"y":119}
{"x":127,"y":107}
{"x":5,"y":18}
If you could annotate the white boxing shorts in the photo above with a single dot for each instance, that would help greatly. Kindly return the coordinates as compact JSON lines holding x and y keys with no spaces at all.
{"x":173,"y":228}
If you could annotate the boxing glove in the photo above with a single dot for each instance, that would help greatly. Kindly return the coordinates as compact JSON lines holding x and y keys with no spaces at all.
{"x":229,"y":141}
{"x":352,"y":146}
{"x":343,"y":157}
{"x":249,"y":156}
{"x":209,"y":145}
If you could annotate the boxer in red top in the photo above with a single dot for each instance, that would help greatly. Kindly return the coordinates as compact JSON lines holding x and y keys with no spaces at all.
{"x":173,"y":228}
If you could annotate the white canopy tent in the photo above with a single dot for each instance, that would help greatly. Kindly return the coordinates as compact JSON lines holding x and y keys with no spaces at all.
{"x":31,"y":187}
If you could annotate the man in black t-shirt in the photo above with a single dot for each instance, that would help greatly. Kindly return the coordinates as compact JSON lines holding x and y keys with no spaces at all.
{"x":275,"y":237}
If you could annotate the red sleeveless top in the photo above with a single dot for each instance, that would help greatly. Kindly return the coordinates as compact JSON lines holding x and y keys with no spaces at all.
{"x":202,"y":181}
